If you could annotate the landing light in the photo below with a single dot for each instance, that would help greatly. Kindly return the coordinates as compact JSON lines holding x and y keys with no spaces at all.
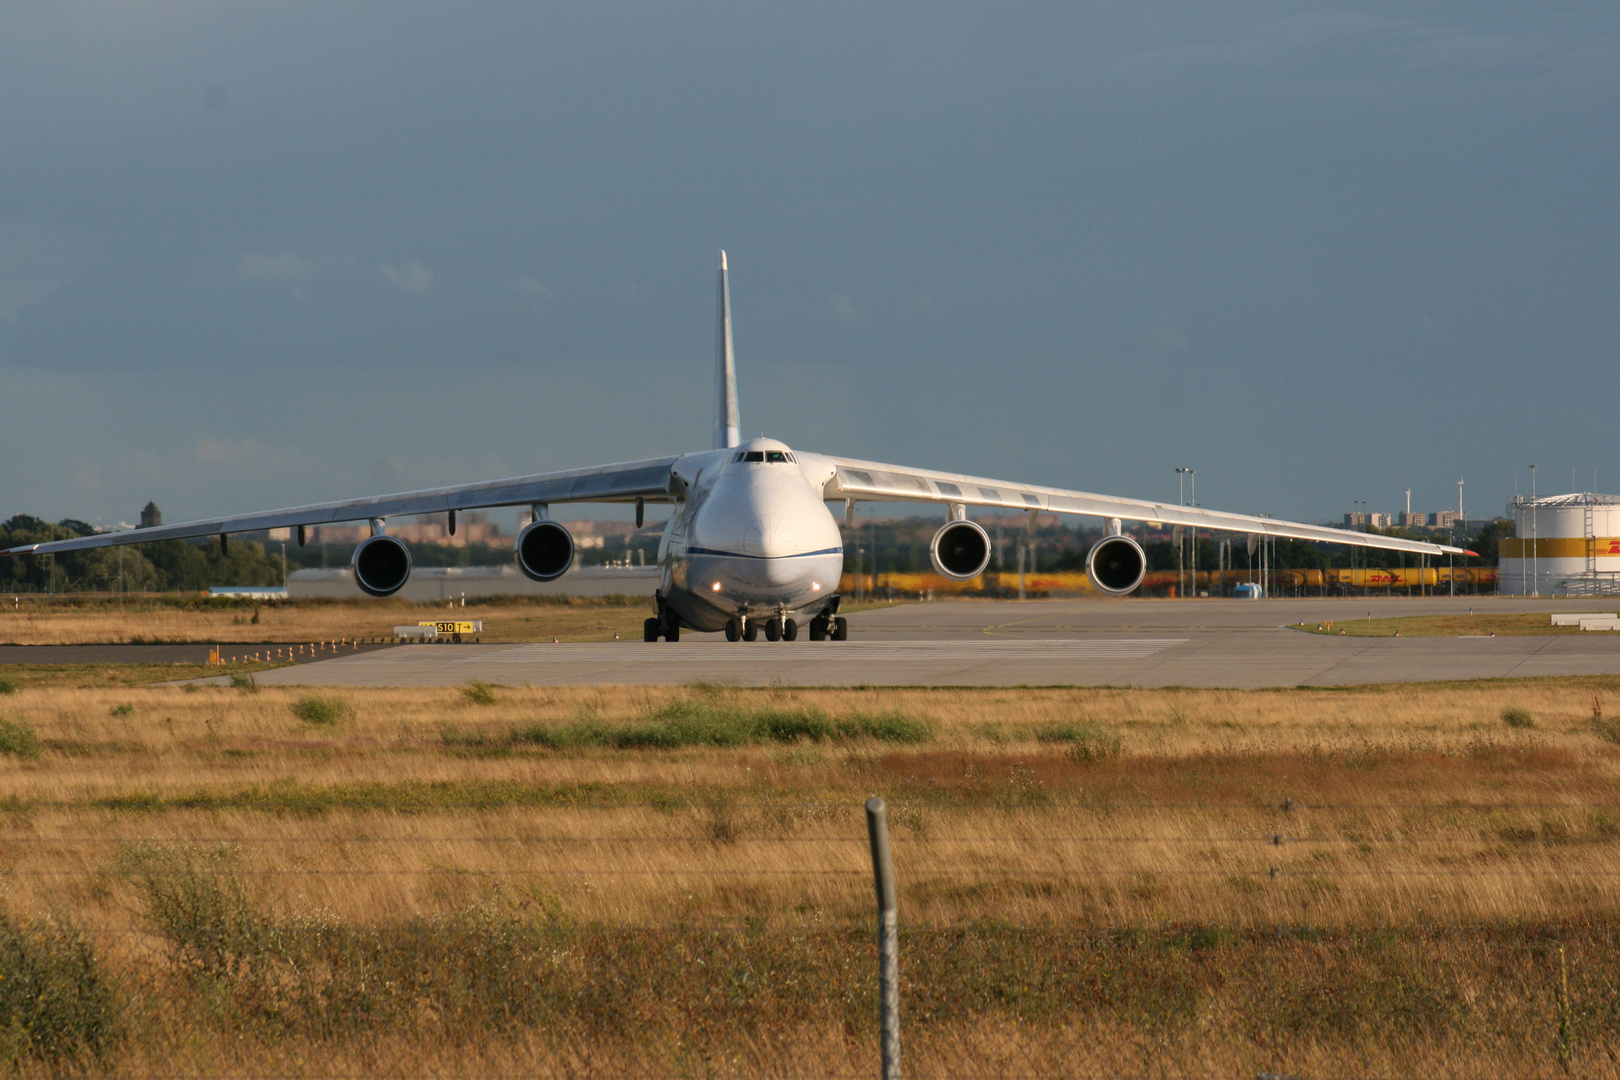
{"x":815,"y":586}
{"x":715,"y":586}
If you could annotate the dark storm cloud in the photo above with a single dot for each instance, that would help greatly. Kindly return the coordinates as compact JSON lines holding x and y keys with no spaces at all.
{"x":247,"y":251}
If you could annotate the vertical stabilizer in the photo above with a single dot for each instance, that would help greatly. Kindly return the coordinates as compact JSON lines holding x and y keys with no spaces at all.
{"x":726,"y":423}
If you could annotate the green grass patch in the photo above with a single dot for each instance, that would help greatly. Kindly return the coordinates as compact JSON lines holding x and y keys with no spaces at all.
{"x":9,"y":685}
{"x":321,"y":710}
{"x":697,"y":722}
{"x":406,"y":797}
{"x":479,"y":693}
{"x":19,"y":740}
{"x":1087,"y":741}
{"x":1517,"y":718}
{"x":57,"y":1005}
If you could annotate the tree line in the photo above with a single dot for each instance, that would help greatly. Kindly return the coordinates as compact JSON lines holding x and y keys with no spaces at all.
{"x":158,"y":566}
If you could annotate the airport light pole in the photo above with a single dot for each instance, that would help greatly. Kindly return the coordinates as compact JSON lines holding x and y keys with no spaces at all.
{"x":1185,"y":475}
{"x":1192,"y":548}
{"x":1535,"y":562}
{"x":1181,"y":551}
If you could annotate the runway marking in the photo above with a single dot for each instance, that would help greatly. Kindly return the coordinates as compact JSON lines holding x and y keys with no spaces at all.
{"x":872,"y":651}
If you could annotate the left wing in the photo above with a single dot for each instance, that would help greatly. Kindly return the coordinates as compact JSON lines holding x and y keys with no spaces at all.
{"x":871,"y":480}
{"x":647,"y":479}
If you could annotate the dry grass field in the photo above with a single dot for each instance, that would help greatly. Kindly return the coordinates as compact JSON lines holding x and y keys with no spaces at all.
{"x":1502,"y":624}
{"x":178,"y":619}
{"x":166,"y":619}
{"x":674,"y":881}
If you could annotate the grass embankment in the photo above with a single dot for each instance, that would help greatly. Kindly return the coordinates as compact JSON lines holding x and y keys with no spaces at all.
{"x":675,"y":881}
{"x":1501,"y":624}
{"x":40,"y":620}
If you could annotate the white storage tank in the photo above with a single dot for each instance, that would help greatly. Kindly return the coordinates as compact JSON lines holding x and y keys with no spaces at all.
{"x":1566,"y":545}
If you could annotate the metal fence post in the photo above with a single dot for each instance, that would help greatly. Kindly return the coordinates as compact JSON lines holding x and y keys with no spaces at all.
{"x":877,"y":828}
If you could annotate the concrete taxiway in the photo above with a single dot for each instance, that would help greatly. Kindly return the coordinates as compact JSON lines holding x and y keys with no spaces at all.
{"x":1208,"y":643}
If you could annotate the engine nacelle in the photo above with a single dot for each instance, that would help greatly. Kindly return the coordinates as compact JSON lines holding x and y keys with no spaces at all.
{"x":544,"y":551}
{"x":960,"y":550}
{"x":382,"y":565}
{"x":1116,"y":565}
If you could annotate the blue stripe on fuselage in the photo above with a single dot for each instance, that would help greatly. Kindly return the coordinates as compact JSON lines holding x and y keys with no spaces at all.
{"x":742,"y":555}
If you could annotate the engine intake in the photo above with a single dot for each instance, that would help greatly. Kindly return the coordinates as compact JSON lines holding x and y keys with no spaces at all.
{"x":960,"y":550}
{"x":382,"y":565}
{"x":1116,"y":565}
{"x":544,"y":551}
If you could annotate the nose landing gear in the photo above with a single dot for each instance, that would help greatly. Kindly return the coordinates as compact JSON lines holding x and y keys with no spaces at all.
{"x":748,"y":628}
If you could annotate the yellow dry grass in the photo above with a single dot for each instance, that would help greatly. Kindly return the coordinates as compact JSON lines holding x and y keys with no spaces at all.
{"x":36,"y":621}
{"x":1499,"y":623}
{"x":1318,"y":882}
{"x":1381,"y":805}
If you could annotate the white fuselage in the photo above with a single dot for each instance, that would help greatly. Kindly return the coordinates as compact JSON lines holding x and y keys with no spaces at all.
{"x":751,"y":536}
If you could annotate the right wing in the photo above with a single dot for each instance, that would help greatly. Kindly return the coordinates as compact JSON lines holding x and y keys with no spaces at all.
{"x":648,"y":479}
{"x":898,"y":483}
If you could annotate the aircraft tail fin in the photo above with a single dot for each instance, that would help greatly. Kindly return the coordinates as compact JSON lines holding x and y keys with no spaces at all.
{"x":726,"y":424}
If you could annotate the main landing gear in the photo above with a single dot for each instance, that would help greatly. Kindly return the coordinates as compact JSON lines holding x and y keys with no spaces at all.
{"x":822,"y":628}
{"x":663,"y":625}
{"x":781,"y":628}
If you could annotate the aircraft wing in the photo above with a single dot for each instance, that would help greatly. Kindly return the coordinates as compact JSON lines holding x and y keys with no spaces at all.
{"x":647,"y":479}
{"x":873,"y":481}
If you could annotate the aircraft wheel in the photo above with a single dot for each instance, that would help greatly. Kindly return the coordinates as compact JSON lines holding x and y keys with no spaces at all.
{"x":790,"y":630}
{"x":673,"y":633}
{"x":840,"y":629}
{"x":751,"y":630}
{"x":818,"y":629}
{"x":733,"y":631}
{"x":649,"y":630}
{"x":773,"y":630}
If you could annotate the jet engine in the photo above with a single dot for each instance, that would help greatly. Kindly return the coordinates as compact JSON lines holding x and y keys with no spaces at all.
{"x":382,"y":565}
{"x":960,"y":550}
{"x":1116,"y":565}
{"x":544,"y":551}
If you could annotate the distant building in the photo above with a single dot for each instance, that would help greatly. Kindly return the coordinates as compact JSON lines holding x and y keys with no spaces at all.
{"x":1355,"y":522}
{"x":1377,"y":521}
{"x":1410,"y":520}
{"x":151,"y":517}
{"x":471,"y":528}
{"x":1442,"y":519}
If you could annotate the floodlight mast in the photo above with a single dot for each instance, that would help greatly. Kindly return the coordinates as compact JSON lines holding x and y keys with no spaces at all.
{"x":1183,"y":475}
{"x":1535,"y":560}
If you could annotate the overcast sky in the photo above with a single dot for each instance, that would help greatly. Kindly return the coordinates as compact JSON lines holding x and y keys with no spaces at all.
{"x":254,"y":255}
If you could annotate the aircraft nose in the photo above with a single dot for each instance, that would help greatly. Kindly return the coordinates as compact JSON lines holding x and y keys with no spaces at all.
{"x":770,"y":535}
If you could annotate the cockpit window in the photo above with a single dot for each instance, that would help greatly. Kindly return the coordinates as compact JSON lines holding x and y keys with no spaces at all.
{"x":772,"y":456}
{"x":778,"y":456}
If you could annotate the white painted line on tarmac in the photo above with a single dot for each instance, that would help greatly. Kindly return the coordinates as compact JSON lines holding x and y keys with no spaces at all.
{"x":866,"y":652}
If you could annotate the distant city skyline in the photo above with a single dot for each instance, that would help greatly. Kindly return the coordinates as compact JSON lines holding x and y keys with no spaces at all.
{"x":258,"y":254}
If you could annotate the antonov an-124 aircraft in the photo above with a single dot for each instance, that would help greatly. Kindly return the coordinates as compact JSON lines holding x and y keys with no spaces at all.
{"x":751,"y":545}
